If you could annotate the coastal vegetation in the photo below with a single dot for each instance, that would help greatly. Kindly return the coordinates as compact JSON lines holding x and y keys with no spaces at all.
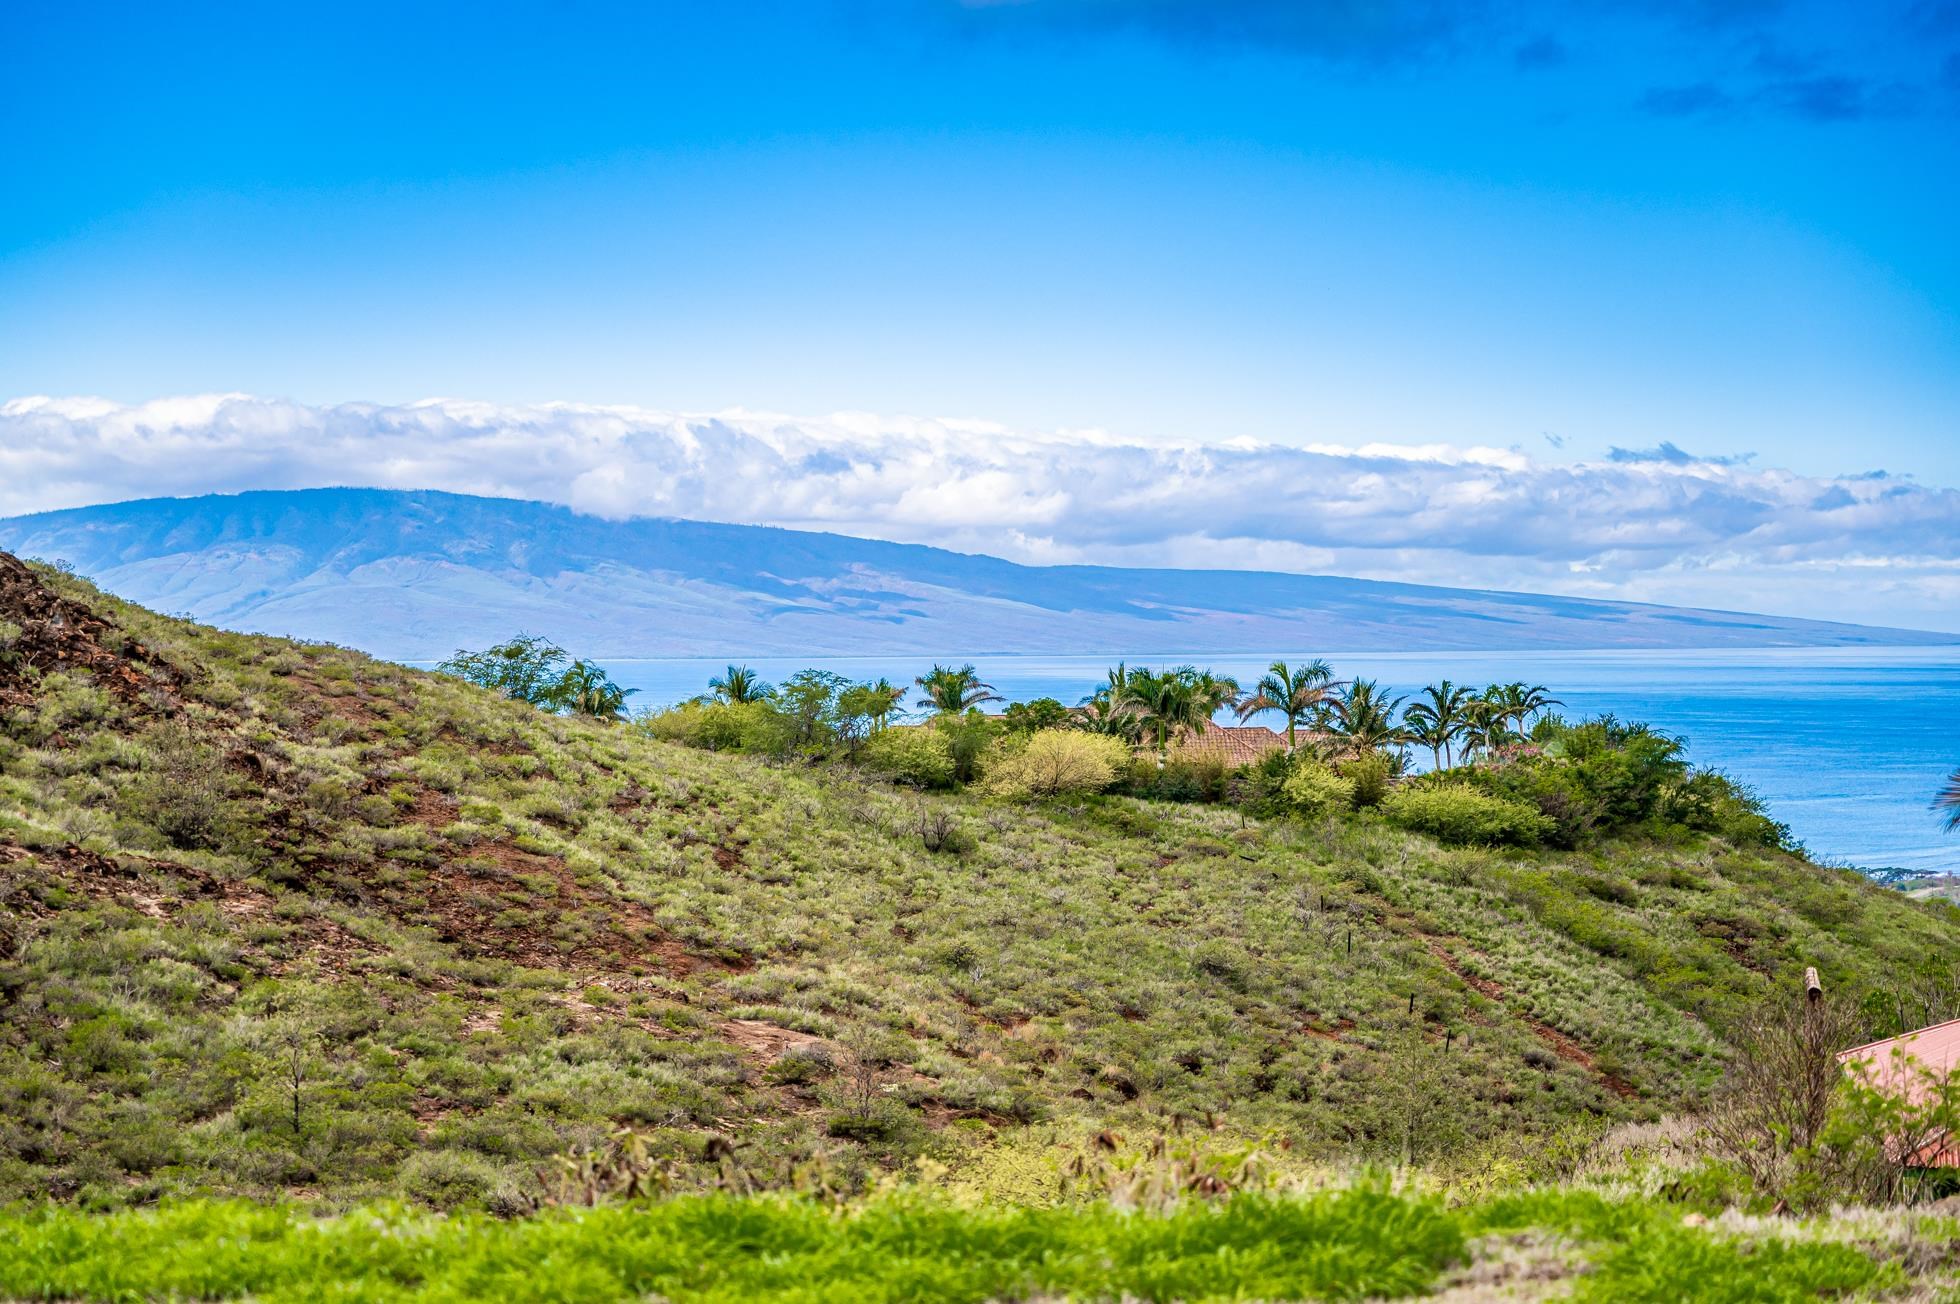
{"x":322,"y":973}
{"x":1505,"y":769}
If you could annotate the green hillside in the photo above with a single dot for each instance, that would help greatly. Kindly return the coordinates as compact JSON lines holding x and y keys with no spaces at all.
{"x":281,"y":920}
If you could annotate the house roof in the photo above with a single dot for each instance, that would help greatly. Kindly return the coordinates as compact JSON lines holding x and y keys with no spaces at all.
{"x":1233,"y":744}
{"x":1902,"y":1066}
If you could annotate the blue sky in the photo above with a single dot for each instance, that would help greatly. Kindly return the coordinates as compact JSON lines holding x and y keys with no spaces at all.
{"x":1729,"y":227}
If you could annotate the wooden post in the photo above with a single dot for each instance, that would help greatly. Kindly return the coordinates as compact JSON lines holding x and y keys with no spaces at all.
{"x":1813,"y":989}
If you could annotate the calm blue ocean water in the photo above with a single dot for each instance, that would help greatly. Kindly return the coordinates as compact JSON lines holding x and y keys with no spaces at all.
{"x":1847,"y":745}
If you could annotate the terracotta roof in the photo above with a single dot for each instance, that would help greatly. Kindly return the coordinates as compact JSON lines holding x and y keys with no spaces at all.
{"x":1235,"y":745}
{"x":1901,"y":1065}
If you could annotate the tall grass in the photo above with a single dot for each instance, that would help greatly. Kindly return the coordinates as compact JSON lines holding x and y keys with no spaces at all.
{"x":1340,"y":1245}
{"x":1361,"y":1242}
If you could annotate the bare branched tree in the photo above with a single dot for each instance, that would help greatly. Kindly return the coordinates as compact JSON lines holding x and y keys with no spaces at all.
{"x":1787,"y":1115}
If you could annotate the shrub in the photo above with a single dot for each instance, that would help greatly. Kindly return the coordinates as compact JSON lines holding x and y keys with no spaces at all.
{"x":1057,"y":761}
{"x":1315,"y":791}
{"x":921,"y":758}
{"x":1370,"y":776}
{"x":185,"y":795}
{"x":1034,"y":717}
{"x":1182,"y":778}
{"x":968,"y":738}
{"x":801,"y":1065}
{"x":525,"y":669}
{"x":448,"y":1179}
{"x":1458,"y":813}
{"x":939,"y":831}
{"x":716,"y":726}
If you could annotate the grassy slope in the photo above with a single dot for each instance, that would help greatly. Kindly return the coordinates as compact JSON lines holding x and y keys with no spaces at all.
{"x":474,"y":934}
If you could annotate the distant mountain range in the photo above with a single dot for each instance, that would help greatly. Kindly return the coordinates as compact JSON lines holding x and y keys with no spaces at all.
{"x":414,"y":575}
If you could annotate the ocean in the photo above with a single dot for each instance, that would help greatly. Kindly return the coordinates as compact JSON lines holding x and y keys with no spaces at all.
{"x":1847,"y":745}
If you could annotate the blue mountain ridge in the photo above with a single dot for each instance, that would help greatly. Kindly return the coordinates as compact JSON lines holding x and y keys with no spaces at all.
{"x":414,"y":574}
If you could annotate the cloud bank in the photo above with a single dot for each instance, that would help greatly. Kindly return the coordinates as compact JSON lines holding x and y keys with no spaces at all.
{"x":1659,"y":524}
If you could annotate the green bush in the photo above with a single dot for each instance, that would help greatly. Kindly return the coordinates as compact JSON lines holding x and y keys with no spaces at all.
{"x":1180,"y":779}
{"x":449,"y":1179}
{"x":1313,"y":790}
{"x":921,"y":757}
{"x":1057,"y":761}
{"x":185,"y":795}
{"x":1033,"y":717}
{"x":1370,"y":776}
{"x":1458,"y":813}
{"x":714,"y":726}
{"x":968,"y":737}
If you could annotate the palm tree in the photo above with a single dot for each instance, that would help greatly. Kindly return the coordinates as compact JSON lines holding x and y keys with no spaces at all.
{"x":1364,"y":717}
{"x":585,"y":689}
{"x":1948,"y":801}
{"x":1518,"y":702}
{"x":885,"y":697}
{"x":1483,"y":723}
{"x":1438,"y":722}
{"x":1102,"y":713}
{"x":738,"y":684}
{"x":1299,"y":695}
{"x":950,"y":691}
{"x":1113,"y":683}
{"x":1213,"y":692}
{"x":1166,"y":702}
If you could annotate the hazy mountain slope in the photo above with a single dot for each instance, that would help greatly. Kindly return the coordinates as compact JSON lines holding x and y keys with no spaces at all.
{"x":414,"y":575}
{"x":282,"y":918}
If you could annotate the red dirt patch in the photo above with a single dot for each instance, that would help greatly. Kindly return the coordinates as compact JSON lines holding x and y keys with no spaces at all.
{"x":1327,"y":1032}
{"x":137,"y":886}
{"x":58,"y":633}
{"x":1561,"y":1045}
{"x":765,"y":1041}
{"x":468,"y":905}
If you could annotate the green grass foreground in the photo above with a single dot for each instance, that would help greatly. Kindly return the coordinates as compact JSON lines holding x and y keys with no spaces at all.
{"x":1362,"y":1242}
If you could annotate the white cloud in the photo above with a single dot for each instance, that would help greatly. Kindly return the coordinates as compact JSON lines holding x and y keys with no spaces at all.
{"x":1661,"y":526}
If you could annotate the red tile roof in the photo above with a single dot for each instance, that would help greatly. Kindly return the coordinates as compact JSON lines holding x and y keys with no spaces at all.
{"x":1235,"y":745}
{"x":1902,"y":1065}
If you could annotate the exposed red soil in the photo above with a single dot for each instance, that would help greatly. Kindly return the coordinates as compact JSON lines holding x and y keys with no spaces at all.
{"x":159,"y":888}
{"x":60,"y":634}
{"x":475,"y":900}
{"x":766,"y":1041}
{"x":1561,"y":1045}
{"x":467,"y":902}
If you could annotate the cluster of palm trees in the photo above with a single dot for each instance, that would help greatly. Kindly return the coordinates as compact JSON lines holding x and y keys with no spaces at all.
{"x":1141,"y":705}
{"x":1457,"y":724}
{"x":1352,"y":716}
{"x":1450,"y":716}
